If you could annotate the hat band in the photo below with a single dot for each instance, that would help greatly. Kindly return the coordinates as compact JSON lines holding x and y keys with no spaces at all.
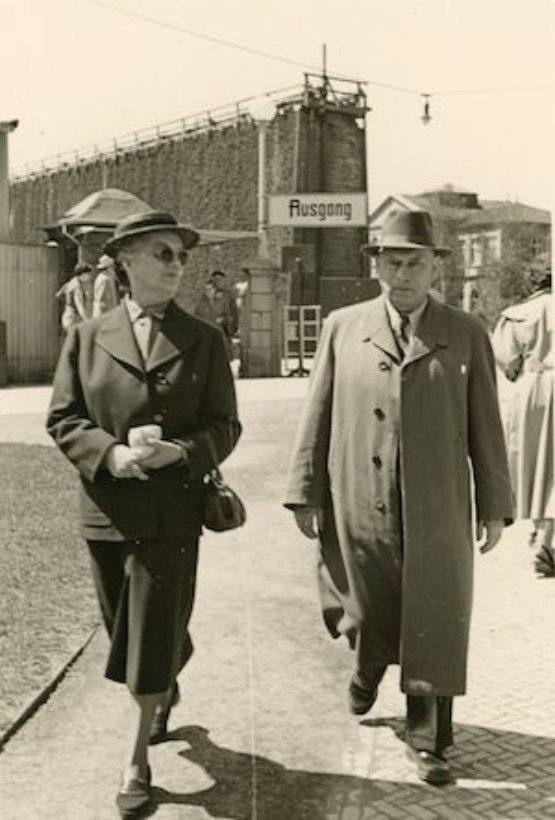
{"x":399,"y":239}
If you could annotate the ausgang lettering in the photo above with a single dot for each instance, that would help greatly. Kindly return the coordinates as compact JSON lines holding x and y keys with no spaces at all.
{"x":321,"y":210}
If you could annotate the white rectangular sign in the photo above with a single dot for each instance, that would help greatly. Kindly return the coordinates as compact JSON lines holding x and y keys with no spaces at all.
{"x":319,"y":210}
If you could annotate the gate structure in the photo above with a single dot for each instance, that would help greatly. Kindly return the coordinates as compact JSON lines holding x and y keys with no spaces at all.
{"x":29,"y":279}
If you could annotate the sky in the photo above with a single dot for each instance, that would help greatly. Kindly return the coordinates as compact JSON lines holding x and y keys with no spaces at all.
{"x":82,"y":72}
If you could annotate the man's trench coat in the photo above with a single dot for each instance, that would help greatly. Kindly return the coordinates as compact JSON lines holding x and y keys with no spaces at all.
{"x":385,"y":449}
{"x":102,"y":389}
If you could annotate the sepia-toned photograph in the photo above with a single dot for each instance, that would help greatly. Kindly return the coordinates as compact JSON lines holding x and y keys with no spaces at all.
{"x":276,"y":410}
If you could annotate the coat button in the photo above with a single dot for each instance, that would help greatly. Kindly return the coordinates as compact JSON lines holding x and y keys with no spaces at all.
{"x":379,"y":413}
{"x":161,"y":378}
{"x":380,"y":506}
{"x":384,"y":366}
{"x":377,"y":462}
{"x":158,"y":417}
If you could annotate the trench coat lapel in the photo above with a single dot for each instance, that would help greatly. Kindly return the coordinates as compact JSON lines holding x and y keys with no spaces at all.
{"x":430,"y":333}
{"x":115,"y":335}
{"x":174,"y":337}
{"x":377,"y":329}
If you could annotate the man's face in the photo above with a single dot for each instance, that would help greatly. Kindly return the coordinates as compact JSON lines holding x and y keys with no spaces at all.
{"x":154,"y":264}
{"x":218,"y":281}
{"x":406,"y":276}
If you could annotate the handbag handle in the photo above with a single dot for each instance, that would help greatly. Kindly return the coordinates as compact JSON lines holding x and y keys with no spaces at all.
{"x":213,"y":455}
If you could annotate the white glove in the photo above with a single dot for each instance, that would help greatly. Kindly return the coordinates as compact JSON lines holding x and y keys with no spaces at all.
{"x":122,"y":462}
{"x":140,"y":439}
{"x":163,"y":453}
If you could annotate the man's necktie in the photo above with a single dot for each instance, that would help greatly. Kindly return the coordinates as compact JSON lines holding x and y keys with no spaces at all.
{"x":403,"y":338}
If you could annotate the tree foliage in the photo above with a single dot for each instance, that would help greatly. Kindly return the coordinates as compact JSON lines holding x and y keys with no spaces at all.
{"x":506,"y":280}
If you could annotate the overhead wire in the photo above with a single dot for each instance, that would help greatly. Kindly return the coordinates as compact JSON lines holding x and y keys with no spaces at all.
{"x":301,"y":64}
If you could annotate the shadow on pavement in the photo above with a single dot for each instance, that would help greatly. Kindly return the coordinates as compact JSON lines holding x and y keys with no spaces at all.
{"x":510,"y":774}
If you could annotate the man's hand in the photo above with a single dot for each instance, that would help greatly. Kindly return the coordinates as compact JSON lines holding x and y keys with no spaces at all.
{"x":309,"y":520}
{"x":163,"y":454}
{"x":122,"y":462}
{"x":494,"y":531}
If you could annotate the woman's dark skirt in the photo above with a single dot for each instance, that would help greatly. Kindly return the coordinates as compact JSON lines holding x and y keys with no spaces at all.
{"x":146,"y":591}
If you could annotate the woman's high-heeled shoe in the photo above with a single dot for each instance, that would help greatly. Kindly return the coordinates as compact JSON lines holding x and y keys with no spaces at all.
{"x":159,"y":728}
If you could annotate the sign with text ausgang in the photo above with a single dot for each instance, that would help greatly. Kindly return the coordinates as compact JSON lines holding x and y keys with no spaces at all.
{"x":319,"y":210}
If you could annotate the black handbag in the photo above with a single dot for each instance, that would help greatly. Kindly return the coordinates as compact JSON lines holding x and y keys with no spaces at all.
{"x":223,"y":509}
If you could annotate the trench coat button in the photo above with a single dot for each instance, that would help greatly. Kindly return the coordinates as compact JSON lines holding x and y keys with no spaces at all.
{"x":379,"y":413}
{"x":384,"y":366}
{"x":377,"y":462}
{"x":161,"y":378}
{"x":380,"y":506}
{"x":158,"y":417}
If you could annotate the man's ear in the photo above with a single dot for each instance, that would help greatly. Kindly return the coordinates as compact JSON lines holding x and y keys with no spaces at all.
{"x":438,"y":269}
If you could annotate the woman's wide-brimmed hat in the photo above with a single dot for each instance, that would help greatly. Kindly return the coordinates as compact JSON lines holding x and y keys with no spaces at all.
{"x":149,"y":222}
{"x":406,"y":230}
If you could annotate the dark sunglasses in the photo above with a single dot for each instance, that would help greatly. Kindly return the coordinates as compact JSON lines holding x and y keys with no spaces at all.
{"x":168,"y":256}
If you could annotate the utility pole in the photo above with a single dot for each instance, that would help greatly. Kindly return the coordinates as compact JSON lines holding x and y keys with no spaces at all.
{"x":6,"y":127}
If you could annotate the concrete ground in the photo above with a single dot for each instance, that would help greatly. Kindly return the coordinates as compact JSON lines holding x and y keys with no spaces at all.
{"x":262,"y":732}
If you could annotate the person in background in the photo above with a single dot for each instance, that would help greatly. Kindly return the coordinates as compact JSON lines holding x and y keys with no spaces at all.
{"x":204,"y":307}
{"x":523,"y":345}
{"x":106,"y":291}
{"x":402,"y":396}
{"x":225,"y":311}
{"x":78,"y":296}
{"x":143,"y":405}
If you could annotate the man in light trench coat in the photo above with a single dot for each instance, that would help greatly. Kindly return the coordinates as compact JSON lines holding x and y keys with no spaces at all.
{"x":402,"y":400}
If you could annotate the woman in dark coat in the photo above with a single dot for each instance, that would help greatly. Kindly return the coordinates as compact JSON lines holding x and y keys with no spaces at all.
{"x":143,"y":404}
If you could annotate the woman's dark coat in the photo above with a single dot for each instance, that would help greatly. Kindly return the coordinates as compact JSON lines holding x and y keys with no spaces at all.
{"x":385,"y":449}
{"x":102,"y":389}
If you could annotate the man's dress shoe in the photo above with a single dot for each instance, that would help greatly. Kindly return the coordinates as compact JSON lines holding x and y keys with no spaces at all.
{"x":362,"y":696}
{"x":430,"y":768}
{"x":159,"y":727}
{"x":134,"y":797}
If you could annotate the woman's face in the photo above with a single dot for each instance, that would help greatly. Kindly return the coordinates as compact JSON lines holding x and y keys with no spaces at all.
{"x":154,"y":265}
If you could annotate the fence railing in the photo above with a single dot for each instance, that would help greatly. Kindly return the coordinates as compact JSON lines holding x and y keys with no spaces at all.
{"x":174,"y":129}
{"x":325,"y":88}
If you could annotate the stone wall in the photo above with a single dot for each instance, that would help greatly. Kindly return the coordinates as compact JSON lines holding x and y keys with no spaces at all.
{"x":209,"y":179}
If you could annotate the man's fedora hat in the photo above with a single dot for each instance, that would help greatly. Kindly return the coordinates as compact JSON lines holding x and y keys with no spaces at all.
{"x":149,"y":222}
{"x":105,"y":262}
{"x":406,"y":230}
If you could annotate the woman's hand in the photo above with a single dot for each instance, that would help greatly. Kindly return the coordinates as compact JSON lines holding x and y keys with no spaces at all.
{"x":122,"y":462}
{"x":164,"y":453}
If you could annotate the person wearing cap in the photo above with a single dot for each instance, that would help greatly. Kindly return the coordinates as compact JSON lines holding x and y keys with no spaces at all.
{"x":221,"y":310}
{"x":402,"y":397}
{"x":106,"y":291}
{"x":78,"y":296}
{"x":523,"y":346}
{"x":143,"y":405}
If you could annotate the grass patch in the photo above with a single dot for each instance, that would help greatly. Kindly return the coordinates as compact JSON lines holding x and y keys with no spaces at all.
{"x":47,"y":602}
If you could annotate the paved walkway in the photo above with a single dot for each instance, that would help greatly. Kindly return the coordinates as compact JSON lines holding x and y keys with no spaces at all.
{"x":262,"y":732}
